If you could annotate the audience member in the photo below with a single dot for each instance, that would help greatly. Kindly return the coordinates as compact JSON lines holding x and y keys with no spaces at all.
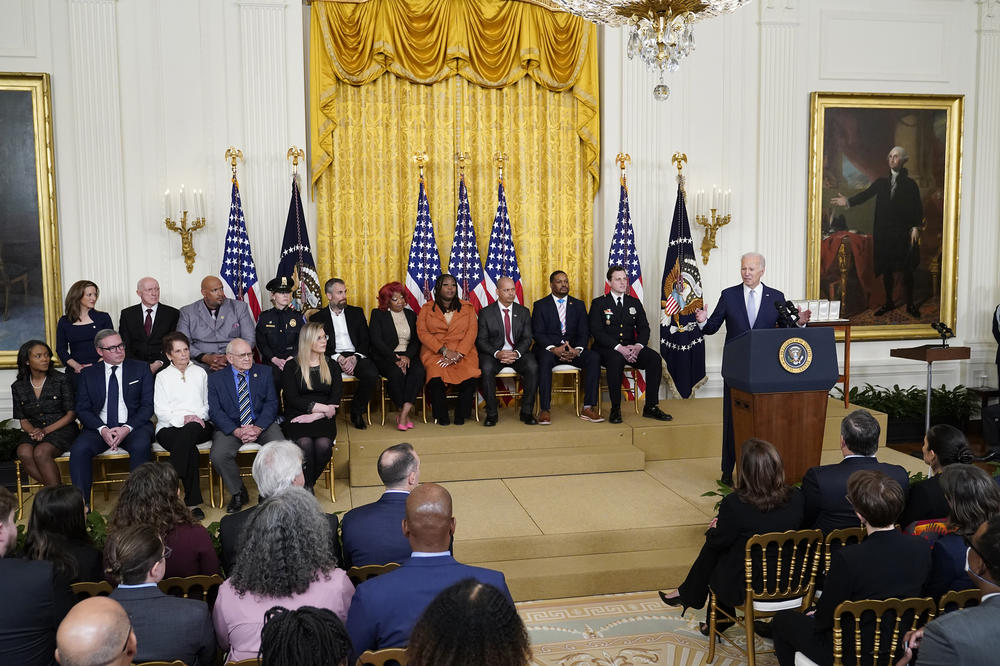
{"x":469,"y":623}
{"x":373,"y":533}
{"x":115,"y":409}
{"x":943,"y":445}
{"x":243,"y":406}
{"x":887,"y":563}
{"x":151,"y":496}
{"x":143,"y":325}
{"x":166,"y":628}
{"x":45,"y":404}
{"x":278,"y":328}
{"x":181,"y":408}
{"x":36,"y":601}
{"x":285,"y":561}
{"x":762,"y":503}
{"x":396,"y":350}
{"x":307,"y":636}
{"x":76,"y":329}
{"x":447,"y":329}
{"x":386,"y":608}
{"x":57,"y":532}
{"x":211,"y":323}
{"x":92,"y":632}
{"x":277,"y":466}
{"x":311,"y":390}
{"x":825,"y":486}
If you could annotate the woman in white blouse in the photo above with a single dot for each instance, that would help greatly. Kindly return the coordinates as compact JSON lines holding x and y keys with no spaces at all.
{"x":180,"y":401}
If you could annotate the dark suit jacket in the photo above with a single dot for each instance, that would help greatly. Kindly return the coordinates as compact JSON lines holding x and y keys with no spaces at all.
{"x":385,"y":608}
{"x":926,"y":501}
{"x":894,"y":217}
{"x":825,"y":488}
{"x":223,"y":405}
{"x":732,"y":310}
{"x":490,"y":338}
{"x":231,"y":536}
{"x":356,"y":326}
{"x":996,"y":333}
{"x":611,"y":328}
{"x":384,"y":338}
{"x":547,"y":330}
{"x":168,"y":628}
{"x":132,"y":329}
{"x":36,"y":604}
{"x":373,"y":533}
{"x":135,"y":383}
{"x":966,"y":636}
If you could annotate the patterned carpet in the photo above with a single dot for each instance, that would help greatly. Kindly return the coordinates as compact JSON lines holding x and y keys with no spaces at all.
{"x":623,"y":630}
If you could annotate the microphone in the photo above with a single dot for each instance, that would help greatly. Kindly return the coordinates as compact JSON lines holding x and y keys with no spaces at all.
{"x":788,"y":314}
{"x":944,"y":331}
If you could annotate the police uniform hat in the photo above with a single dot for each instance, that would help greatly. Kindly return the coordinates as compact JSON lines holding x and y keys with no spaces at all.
{"x":280,"y":285}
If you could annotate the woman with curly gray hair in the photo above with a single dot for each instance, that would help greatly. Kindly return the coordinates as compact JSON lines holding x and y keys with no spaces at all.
{"x":285,"y":561}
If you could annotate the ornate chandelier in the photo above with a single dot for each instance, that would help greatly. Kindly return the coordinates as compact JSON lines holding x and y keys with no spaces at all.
{"x":660,"y":31}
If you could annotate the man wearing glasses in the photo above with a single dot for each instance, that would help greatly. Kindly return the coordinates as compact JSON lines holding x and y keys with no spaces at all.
{"x":114,"y":402}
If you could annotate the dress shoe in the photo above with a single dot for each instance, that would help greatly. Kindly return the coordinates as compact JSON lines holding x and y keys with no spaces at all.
{"x":459,"y":420}
{"x":655,"y":412}
{"x":544,"y":417}
{"x":401,"y":426}
{"x":588,"y":414}
{"x":528,"y":418}
{"x":358,"y":421}
{"x":727,"y":480}
{"x":674,"y":602}
{"x":913,"y":311}
{"x":720,"y":626}
{"x":888,"y":307}
{"x":444,"y":420}
{"x":616,"y":415}
{"x":235,"y":504}
{"x":198,"y":514}
{"x":409,"y":425}
{"x":244,"y":495}
{"x":491,"y":420}
{"x":763,"y":629}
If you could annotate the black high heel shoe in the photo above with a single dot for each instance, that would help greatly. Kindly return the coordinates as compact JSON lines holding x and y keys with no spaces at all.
{"x":720,"y":626}
{"x":674,"y":602}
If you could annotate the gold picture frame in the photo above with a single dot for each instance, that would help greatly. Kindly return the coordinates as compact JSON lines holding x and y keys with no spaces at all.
{"x":30,"y":285}
{"x":855,"y":251}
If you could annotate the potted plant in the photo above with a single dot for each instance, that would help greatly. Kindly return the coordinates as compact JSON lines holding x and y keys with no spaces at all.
{"x":905,"y":408}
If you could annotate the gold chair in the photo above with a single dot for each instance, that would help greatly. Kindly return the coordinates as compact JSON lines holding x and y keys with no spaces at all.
{"x":837,"y":539}
{"x":329,"y":473}
{"x":244,"y":662}
{"x":160,"y":453}
{"x":105,"y":478}
{"x":904,"y":614}
{"x":958,"y":599}
{"x":175,"y":662}
{"x":359,"y":575}
{"x":10,"y":275}
{"x":91,"y":589}
{"x":203,"y":588}
{"x":564,"y":370}
{"x":345,"y":399}
{"x":631,"y":374}
{"x":502,"y":392}
{"x":29,"y":483}
{"x":246,"y":471}
{"x":780,"y":574}
{"x":421,"y":399}
{"x":384,"y":657}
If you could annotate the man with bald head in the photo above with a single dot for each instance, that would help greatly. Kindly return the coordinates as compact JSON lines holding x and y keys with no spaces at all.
{"x":143,"y":325}
{"x":385,"y":608}
{"x":211,"y":322}
{"x":96,"y":632}
{"x":503,"y":341}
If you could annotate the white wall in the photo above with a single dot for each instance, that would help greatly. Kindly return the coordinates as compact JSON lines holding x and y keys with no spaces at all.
{"x":148,"y":94}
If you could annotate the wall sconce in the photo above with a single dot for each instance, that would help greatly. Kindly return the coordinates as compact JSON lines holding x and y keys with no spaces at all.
{"x":197,"y":222}
{"x":711,"y":213}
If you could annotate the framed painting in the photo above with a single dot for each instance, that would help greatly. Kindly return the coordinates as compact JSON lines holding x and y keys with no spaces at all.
{"x":884,"y":181}
{"x":30,"y":286}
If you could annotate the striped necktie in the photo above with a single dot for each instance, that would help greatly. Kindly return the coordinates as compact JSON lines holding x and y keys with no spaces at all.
{"x":243,"y":395}
{"x":561,"y":306}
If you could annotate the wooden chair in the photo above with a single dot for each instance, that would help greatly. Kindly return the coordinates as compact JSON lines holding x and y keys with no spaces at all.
{"x":567,"y":370}
{"x":11,"y":275}
{"x":89,"y":589}
{"x":160,"y":453}
{"x":884,"y":643}
{"x":958,"y":599}
{"x":202,"y":588}
{"x":345,"y":399}
{"x":780,"y":574}
{"x":421,"y":399}
{"x":359,"y":575}
{"x":631,"y":374}
{"x":26,"y":482}
{"x":384,"y":657}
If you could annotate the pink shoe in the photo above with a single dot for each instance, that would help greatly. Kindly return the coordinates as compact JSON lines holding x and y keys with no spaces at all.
{"x":400,"y":426}
{"x":409,"y":425}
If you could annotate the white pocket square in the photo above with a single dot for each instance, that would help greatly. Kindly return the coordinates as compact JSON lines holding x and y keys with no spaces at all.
{"x":134,"y":381}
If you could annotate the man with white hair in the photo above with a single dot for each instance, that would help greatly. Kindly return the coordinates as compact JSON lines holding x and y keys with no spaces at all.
{"x":899,"y":216}
{"x":143,"y":325}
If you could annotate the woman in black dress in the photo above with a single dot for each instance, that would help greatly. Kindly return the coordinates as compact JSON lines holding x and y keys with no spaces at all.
{"x":395,"y":349}
{"x":57,"y":532}
{"x":311,"y":392}
{"x":943,"y":445}
{"x":44,"y":403}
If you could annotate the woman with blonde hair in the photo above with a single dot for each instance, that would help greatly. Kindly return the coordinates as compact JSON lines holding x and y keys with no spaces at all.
{"x":311,"y":392}
{"x":76,"y":329}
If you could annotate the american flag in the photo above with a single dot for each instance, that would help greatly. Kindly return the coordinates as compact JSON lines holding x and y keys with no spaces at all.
{"x":296,"y":260}
{"x":239,"y":274}
{"x":464,"y":263}
{"x":622,"y":253}
{"x":424,"y":264}
{"x":501,"y":259}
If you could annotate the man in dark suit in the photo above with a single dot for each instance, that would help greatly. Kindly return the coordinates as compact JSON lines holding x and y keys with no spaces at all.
{"x":503,"y":340}
{"x":621,"y":332}
{"x":347,"y":329}
{"x":559,"y":323}
{"x":142,"y":326}
{"x":825,"y":486}
{"x":276,"y":467}
{"x":373,"y":533}
{"x":96,"y":631}
{"x":385,"y":608}
{"x":996,"y":336}
{"x":746,"y":306}
{"x":212,"y":322}
{"x":242,"y":404}
{"x":114,"y":402}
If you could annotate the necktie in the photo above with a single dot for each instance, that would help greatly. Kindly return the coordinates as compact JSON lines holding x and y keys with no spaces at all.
{"x":506,"y":326}
{"x":561,"y":307}
{"x":148,"y":325}
{"x":751,"y":309}
{"x":243,"y":396}
{"x":619,"y":302}
{"x":112,"y":418}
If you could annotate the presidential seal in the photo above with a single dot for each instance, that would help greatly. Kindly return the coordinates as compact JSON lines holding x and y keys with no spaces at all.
{"x":795,"y":355}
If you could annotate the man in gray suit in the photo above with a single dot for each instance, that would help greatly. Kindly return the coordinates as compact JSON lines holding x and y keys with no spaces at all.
{"x":210,"y":323}
{"x":968,"y":637}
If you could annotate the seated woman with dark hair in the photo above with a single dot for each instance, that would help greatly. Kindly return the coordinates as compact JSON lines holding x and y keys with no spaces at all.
{"x":469,"y":623}
{"x":395,"y":349}
{"x":943,"y":445}
{"x":306,"y":636}
{"x":286,"y":560}
{"x":57,"y":532}
{"x":762,"y":503}
{"x":151,"y":496}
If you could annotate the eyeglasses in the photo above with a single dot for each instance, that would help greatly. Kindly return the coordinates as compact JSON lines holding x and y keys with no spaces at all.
{"x":972,"y":546}
{"x":127,"y":636}
{"x":246,"y":355}
{"x":167,"y":551}
{"x":113,"y":348}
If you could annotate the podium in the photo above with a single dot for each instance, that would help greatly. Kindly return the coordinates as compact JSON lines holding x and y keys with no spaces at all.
{"x":928,"y":354}
{"x":779,"y":381}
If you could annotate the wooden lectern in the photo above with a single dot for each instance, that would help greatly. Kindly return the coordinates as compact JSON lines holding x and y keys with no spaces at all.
{"x":779,"y":381}
{"x":929,"y":354}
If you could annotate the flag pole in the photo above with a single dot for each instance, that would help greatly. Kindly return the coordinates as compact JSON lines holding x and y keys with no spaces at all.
{"x":623,"y":160}
{"x":232,"y":154}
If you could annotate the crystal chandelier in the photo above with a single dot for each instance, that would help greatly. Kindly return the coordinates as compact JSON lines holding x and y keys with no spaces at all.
{"x":661,"y":32}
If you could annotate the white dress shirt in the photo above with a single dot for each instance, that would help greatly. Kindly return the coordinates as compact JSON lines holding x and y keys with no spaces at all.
{"x":176,"y":395}
{"x":506,"y":345}
{"x":122,"y":409}
{"x":555,"y":301}
{"x":152,"y":315}
{"x":342,"y":337}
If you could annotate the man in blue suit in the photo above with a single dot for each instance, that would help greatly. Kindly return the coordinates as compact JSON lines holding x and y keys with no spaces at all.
{"x":385,"y":608}
{"x":559,"y":323}
{"x":114,"y":402}
{"x":373,"y":533}
{"x":741,"y":308}
{"x":242,"y":404}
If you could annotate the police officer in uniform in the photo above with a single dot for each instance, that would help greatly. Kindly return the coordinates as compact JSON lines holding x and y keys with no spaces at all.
{"x":278,"y":328}
{"x":621,"y":332}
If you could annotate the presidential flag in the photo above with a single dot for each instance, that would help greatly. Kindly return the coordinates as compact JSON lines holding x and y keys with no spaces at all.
{"x":296,"y":260}
{"x":424,"y":264}
{"x":623,"y":253}
{"x":682,"y":344}
{"x":239,"y":274}
{"x":501,"y":259}
{"x":464,"y":263}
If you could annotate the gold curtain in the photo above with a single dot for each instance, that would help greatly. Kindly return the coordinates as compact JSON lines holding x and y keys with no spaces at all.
{"x":467,"y":75}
